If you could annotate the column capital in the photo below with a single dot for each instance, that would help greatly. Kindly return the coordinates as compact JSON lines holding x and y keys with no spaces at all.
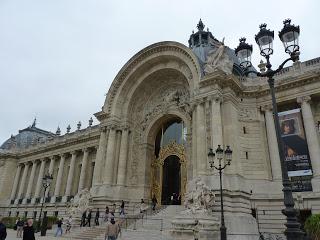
{"x":125,"y":127}
{"x":103,"y":129}
{"x":73,"y":152}
{"x":216,"y":98}
{"x":85,"y":150}
{"x":303,"y":99}
{"x":63,"y":155}
{"x":112,"y":127}
{"x":266,"y":108}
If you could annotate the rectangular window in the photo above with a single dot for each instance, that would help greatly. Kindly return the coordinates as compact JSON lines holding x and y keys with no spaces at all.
{"x":247,"y":155}
{"x":244,"y":130}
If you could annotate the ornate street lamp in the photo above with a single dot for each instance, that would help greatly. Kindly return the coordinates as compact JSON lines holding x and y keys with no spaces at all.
{"x":46,"y":182}
{"x":289,"y":35}
{"x":225,"y":155}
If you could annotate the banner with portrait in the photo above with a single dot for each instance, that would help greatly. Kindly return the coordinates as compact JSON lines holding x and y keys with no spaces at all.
{"x":295,"y":146}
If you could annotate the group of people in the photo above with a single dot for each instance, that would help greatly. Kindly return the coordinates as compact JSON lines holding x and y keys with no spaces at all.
{"x":60,"y":222}
{"x":24,"y":230}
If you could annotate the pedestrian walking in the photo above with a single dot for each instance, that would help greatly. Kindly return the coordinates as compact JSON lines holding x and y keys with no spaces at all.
{"x":106,"y":214}
{"x":142,"y":206}
{"x":154,"y":202}
{"x":96,"y":219}
{"x":19,"y":225}
{"x":112,"y":230}
{"x":3,"y":230}
{"x":59,"y":227}
{"x":89,"y":219}
{"x":83,"y":219}
{"x":122,"y":208}
{"x":68,"y":224}
{"x":113,"y":209}
{"x":28,"y":231}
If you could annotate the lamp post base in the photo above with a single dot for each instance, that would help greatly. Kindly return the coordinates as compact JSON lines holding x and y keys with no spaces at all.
{"x":223,"y":233}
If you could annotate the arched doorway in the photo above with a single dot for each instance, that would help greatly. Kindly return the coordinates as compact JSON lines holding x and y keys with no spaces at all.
{"x":168,"y":169}
{"x":171,"y":181}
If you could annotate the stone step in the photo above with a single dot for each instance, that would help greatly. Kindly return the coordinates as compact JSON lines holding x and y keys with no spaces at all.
{"x":140,"y":235}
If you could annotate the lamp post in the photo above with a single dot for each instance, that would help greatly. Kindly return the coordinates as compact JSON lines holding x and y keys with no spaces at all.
{"x":227,"y":156}
{"x":46,"y":181}
{"x":289,"y":36}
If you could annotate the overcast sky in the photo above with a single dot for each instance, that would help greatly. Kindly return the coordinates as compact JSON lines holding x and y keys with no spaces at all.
{"x":59,"y":57}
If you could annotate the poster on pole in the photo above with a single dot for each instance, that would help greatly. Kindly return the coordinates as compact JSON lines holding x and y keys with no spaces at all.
{"x":296,"y":150}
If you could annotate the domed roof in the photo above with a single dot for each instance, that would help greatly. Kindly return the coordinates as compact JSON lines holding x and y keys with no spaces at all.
{"x":203,"y":43}
{"x":27,"y":137}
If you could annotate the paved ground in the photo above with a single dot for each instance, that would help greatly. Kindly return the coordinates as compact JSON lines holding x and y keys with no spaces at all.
{"x":50,"y":236}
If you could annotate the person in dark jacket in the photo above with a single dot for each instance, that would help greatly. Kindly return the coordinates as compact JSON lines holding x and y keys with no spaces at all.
{"x":122,"y":208}
{"x":89,"y":218}
{"x":83,"y":219}
{"x":3,"y":230}
{"x":154,"y":202}
{"x":28,"y":231}
{"x":96,"y":219}
{"x":19,"y":224}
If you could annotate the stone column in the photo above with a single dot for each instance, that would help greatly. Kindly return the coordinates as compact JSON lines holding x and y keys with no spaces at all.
{"x":84,"y":169}
{"x":23,"y":180}
{"x":71,"y":173}
{"x":110,"y":156}
{"x":217,"y":137}
{"x":194,"y":140}
{"x":201,"y":139}
{"x":100,"y":157}
{"x":31,"y":179}
{"x":59,"y":176}
{"x":51,"y":169}
{"x":15,"y":183}
{"x":272,"y":143}
{"x":311,"y":134}
{"x":39,"y":181}
{"x":122,"y":167}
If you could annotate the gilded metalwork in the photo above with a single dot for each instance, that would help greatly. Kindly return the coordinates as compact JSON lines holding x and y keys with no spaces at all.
{"x":172,"y":149}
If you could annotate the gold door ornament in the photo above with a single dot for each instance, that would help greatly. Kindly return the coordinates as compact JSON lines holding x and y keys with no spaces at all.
{"x":157,"y":169}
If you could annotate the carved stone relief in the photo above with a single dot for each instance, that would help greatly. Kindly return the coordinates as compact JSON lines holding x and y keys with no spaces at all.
{"x":149,"y":106}
{"x":248,"y":114}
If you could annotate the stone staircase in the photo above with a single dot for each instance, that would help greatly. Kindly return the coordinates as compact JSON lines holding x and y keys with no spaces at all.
{"x":150,"y":225}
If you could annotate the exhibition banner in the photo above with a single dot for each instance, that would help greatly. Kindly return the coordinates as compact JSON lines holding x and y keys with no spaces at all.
{"x":295,"y":145}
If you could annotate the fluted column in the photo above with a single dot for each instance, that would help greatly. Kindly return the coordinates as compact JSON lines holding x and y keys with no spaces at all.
{"x":84,"y":168}
{"x":31,"y":179}
{"x":201,"y":139}
{"x":217,"y":138}
{"x":39,"y":181}
{"x":50,"y":171}
{"x":71,"y":174}
{"x":311,"y":134}
{"x":23,"y":180}
{"x":110,"y":156}
{"x":57,"y":189}
{"x":15,"y":182}
{"x":194,"y":140}
{"x":100,"y":157}
{"x":122,"y":167}
{"x":272,"y":143}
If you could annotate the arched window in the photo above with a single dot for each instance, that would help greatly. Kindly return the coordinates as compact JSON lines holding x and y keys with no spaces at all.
{"x":170,"y":131}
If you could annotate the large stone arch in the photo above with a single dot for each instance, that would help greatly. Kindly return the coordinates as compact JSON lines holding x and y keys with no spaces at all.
{"x":156,"y":57}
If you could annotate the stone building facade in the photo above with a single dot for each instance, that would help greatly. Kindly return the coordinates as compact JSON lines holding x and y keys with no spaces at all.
{"x":172,"y":102}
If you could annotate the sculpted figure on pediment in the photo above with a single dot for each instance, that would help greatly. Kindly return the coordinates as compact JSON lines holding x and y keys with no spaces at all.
{"x":218,"y":59}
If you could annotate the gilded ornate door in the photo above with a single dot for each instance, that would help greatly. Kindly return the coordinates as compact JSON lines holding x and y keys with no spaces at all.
{"x":157,"y":169}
